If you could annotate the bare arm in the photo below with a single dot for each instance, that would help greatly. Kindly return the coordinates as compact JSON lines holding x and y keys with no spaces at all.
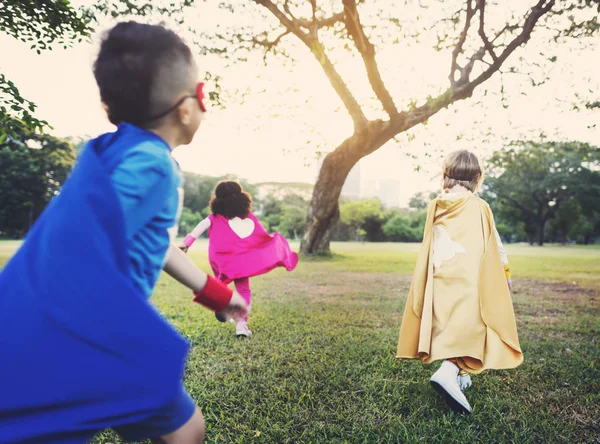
{"x":503,"y":254}
{"x":501,"y":249}
{"x":182,"y":269}
{"x":503,"y":258}
{"x":207,"y":290}
{"x":195,"y":234}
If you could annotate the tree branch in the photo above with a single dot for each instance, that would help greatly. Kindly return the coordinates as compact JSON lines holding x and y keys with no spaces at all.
{"x":507,"y":27}
{"x":367,"y":52}
{"x":288,"y":23}
{"x":313,"y":5}
{"x":286,"y":8}
{"x":541,"y":8}
{"x":516,"y":203}
{"x":312,"y":24}
{"x":317,"y":49}
{"x":486,"y":42}
{"x":270,"y":44}
{"x":339,"y":85}
{"x":462,"y":89}
{"x":461,"y":41}
{"x":321,"y":23}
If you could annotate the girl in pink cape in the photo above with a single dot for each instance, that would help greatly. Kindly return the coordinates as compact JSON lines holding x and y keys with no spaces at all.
{"x":239,"y":246}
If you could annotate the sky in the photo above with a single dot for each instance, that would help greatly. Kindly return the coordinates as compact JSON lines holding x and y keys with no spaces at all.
{"x":273,"y":132}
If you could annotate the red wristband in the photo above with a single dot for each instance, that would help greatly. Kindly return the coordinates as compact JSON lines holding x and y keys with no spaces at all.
{"x":214,"y":295}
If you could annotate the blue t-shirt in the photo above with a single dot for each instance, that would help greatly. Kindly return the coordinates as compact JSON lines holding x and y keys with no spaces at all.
{"x":70,"y":278}
{"x":148,"y":183}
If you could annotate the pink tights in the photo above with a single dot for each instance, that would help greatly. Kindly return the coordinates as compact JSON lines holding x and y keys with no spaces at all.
{"x":242,"y":286}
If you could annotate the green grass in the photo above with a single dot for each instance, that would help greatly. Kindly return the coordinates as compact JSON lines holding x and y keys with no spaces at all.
{"x":320,"y":366}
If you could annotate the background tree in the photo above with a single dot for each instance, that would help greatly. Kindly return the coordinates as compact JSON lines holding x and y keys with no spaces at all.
{"x":561,"y":229}
{"x":271,"y":213}
{"x":284,"y":214}
{"x":292,"y":221}
{"x":406,"y":226}
{"x":198,"y":189}
{"x":32,"y":169}
{"x":477,"y":43}
{"x":44,"y":24}
{"x":535,"y":182}
{"x":188,"y":221}
{"x":418,"y":201}
{"x":363,"y":217}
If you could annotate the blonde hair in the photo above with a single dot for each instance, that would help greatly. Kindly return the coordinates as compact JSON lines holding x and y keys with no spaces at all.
{"x":462,"y":168}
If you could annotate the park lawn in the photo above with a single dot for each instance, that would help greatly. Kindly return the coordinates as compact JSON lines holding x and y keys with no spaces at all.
{"x":321,"y":368}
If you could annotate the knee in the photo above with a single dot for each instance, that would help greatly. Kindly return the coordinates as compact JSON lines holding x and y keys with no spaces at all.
{"x":197,"y":428}
{"x":192,"y":432}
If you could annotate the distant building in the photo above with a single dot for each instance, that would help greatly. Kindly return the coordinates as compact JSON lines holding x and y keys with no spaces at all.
{"x":351,"y":188}
{"x":279,"y":190}
{"x":389,"y":192}
{"x":369,"y":189}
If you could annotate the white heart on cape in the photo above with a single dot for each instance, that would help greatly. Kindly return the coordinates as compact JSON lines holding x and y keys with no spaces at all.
{"x":242,"y":227}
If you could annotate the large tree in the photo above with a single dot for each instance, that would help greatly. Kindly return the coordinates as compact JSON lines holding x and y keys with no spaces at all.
{"x":198,"y":190}
{"x":474,"y":33}
{"x":46,"y":24}
{"x":535,"y":182}
{"x":33,"y":167}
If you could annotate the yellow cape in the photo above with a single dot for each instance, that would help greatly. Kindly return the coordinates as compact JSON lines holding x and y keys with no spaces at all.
{"x":494,"y":342}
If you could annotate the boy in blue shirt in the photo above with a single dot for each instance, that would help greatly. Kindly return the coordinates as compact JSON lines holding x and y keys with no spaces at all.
{"x":82,"y":348}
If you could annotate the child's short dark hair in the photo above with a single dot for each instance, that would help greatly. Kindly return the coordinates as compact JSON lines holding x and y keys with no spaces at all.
{"x":132,"y":61}
{"x":230,"y":200}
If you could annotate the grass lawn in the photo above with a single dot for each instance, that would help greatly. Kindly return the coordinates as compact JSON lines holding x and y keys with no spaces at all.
{"x":320,"y":366}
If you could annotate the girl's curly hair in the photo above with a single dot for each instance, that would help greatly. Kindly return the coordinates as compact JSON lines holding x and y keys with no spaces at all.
{"x":230,"y":200}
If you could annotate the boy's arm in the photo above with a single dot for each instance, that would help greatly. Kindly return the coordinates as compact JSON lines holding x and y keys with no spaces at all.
{"x":182,"y":269}
{"x":207,"y":290}
{"x":195,"y":234}
{"x":143,"y":182}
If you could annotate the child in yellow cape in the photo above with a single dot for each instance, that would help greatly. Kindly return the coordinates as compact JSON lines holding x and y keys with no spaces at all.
{"x":459,"y":308}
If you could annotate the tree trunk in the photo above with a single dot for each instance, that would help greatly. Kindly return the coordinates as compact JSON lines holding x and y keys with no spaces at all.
{"x":323,"y":212}
{"x":541,"y":232}
{"x":530,"y":230}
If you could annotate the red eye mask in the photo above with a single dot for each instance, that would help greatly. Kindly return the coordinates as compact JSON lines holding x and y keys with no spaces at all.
{"x":200,"y":96}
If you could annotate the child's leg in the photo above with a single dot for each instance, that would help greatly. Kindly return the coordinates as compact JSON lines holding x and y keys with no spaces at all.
{"x":446,"y":382}
{"x":242,"y":286}
{"x":191,"y":432}
{"x":464,"y":378}
{"x":180,"y":421}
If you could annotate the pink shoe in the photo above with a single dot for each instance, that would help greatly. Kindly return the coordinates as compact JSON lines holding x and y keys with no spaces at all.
{"x":241,"y":329}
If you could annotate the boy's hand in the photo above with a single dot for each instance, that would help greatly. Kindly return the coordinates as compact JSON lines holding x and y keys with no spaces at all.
{"x":184,"y":248}
{"x":236,"y":309}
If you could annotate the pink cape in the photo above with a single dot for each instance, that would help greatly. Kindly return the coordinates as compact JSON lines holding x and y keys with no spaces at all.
{"x":232,"y":257}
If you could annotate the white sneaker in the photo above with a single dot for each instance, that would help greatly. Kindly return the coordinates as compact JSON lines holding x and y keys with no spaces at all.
{"x":241,"y":329}
{"x":445,"y":382}
{"x":464,"y":381}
